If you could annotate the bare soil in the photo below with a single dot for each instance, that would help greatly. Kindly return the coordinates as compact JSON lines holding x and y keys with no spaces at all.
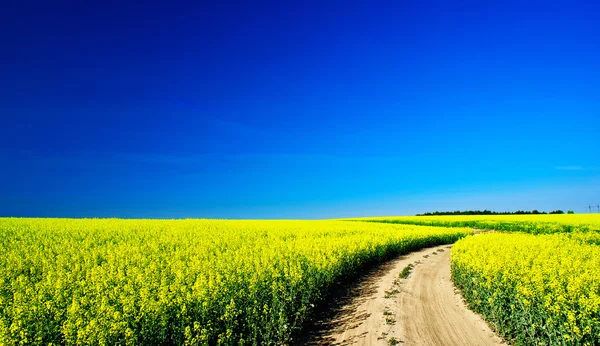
{"x":384,"y":309}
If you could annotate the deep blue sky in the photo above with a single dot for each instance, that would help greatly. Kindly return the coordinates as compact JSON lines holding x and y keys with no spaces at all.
{"x":306,"y":110}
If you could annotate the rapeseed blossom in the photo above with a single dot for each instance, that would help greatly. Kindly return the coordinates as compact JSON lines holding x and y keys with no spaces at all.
{"x":534,"y":289}
{"x":535,"y":224}
{"x":131,"y":282}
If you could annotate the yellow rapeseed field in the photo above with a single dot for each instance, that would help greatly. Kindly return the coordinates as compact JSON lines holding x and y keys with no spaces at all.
{"x":513,"y":223}
{"x":130,"y":282}
{"x":535,"y":289}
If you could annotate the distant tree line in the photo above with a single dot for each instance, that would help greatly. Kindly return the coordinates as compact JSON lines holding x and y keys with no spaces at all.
{"x":489,"y":212}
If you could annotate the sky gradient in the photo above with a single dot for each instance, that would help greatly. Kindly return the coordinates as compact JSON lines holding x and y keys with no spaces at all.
{"x":298,"y":110}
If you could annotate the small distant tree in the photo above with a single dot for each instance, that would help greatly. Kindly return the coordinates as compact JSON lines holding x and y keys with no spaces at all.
{"x":557,"y":212}
{"x":570,"y":212}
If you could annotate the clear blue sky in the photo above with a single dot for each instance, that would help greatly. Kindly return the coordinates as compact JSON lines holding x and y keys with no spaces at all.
{"x":306,"y":110}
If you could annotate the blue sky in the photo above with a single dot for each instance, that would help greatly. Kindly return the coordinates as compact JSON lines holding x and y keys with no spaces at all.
{"x":298,"y":110}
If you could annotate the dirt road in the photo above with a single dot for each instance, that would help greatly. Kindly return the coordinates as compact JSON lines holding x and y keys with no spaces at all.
{"x":422,"y":309}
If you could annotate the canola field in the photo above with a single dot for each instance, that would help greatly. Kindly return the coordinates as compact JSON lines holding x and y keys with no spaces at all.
{"x":131,"y":282}
{"x":535,"y":224}
{"x":534,"y":289}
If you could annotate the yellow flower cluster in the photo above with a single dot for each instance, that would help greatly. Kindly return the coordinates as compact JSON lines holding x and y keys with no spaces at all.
{"x":131,"y":282}
{"x":535,"y":224}
{"x":535,"y":289}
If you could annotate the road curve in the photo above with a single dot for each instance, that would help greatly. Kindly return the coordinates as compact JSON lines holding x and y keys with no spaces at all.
{"x":422,"y":309}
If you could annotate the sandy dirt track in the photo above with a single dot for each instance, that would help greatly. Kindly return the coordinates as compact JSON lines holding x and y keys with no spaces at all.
{"x":422,"y":309}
